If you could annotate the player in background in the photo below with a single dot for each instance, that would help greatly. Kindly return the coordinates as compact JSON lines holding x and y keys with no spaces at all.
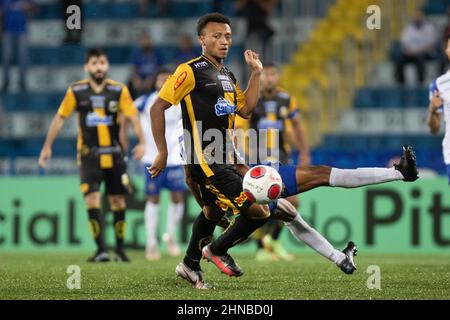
{"x":171,"y":179}
{"x":439,"y":108}
{"x":100,"y":103}
{"x":278,"y":113}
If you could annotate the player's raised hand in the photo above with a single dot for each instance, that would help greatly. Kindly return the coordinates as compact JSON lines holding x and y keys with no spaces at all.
{"x":436,"y":101}
{"x":252,"y":59}
{"x":138,"y":152}
{"x":46,"y":154}
{"x":158,"y":165}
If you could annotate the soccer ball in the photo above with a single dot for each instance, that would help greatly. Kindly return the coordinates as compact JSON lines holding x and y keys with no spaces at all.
{"x":262,"y":184}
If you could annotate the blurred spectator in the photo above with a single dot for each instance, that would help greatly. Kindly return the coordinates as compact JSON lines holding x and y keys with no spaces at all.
{"x":418,"y":43}
{"x":146,"y":62}
{"x":14,"y":16}
{"x":72,"y":36}
{"x":186,"y":50}
{"x":257,"y":13}
{"x":443,"y":59}
{"x":161,"y":6}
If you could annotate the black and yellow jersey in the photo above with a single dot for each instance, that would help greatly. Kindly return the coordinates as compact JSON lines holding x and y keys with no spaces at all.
{"x":271,"y":113}
{"x":209,"y":97}
{"x":98,"y":117}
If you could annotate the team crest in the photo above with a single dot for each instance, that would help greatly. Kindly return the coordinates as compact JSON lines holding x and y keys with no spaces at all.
{"x":112,"y":107}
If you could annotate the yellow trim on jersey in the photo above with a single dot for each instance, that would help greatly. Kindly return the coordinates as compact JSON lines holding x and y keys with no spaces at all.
{"x":126,"y":104}
{"x":240,"y":98}
{"x":179,"y":84}
{"x":195,"y":136}
{"x":68,"y":104}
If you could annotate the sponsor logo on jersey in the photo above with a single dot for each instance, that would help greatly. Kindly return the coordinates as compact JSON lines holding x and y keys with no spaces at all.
{"x":224,"y":107}
{"x":270,"y":106}
{"x":114,"y":87}
{"x":97,"y":102}
{"x":227,"y":87}
{"x":223,"y":77}
{"x":201,"y":64}
{"x":79,"y":87}
{"x":283,"y":95}
{"x":93,"y":119}
{"x":180,"y":80}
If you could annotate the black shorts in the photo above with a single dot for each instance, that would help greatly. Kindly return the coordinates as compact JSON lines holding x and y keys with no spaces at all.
{"x":224,"y":190}
{"x":92,"y":175}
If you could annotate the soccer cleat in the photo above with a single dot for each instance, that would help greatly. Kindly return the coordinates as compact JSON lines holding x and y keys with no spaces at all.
{"x":100,"y":256}
{"x":407,"y":165}
{"x":172,"y":247}
{"x":193,"y":277}
{"x":225,"y":263}
{"x":121,"y":256}
{"x":349,"y":265}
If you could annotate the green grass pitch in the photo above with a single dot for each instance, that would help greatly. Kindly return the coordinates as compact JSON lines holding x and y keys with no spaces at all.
{"x":309,"y":276}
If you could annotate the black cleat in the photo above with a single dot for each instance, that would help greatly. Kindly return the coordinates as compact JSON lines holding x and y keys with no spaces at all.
{"x":100,"y":256}
{"x":225,"y":263}
{"x":407,"y":165}
{"x":349,"y":265}
{"x":121,"y":256}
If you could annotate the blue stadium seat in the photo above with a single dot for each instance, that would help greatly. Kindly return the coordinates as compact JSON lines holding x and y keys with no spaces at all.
{"x":392,"y":97}
{"x":42,"y":101}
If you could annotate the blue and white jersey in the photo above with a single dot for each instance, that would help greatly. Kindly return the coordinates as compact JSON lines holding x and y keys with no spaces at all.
{"x":442,"y":84}
{"x":173,"y":117}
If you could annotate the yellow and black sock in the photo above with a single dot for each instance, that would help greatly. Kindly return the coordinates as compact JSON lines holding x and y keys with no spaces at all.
{"x":96,"y":224}
{"x":119,"y":228}
{"x":202,"y":231}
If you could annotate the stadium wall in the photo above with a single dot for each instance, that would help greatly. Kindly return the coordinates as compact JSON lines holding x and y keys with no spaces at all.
{"x":48,"y":213}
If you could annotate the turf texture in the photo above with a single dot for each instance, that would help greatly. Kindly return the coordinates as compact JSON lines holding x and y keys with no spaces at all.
{"x":44,"y":276}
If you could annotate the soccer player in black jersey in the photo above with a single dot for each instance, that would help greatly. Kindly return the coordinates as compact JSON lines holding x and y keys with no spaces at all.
{"x":100,"y":103}
{"x":210,"y":98}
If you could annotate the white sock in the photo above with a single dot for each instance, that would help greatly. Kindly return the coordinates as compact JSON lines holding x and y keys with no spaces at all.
{"x":353,"y":178}
{"x":174,"y":215}
{"x":151,"y":223}
{"x":304,"y":232}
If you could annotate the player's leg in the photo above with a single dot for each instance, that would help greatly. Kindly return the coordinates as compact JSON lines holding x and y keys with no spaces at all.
{"x":151,"y":214}
{"x":308,"y":178}
{"x":97,"y":225}
{"x":302,"y":231}
{"x":117,"y":183}
{"x":176,"y":185}
{"x":118,"y":207}
{"x":202,"y":232}
{"x":271,"y":239}
{"x":227,"y":186}
{"x":91,"y":177}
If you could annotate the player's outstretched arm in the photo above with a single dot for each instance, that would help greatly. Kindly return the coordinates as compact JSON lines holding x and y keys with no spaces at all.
{"x":158,"y":120}
{"x":46,"y":152}
{"x":252,"y":91}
